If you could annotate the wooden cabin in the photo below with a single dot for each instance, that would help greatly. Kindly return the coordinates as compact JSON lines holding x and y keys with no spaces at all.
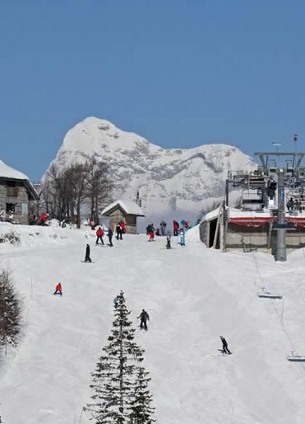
{"x":124,"y":210}
{"x":17,"y":196}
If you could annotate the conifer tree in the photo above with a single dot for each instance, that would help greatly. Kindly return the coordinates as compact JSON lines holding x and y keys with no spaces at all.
{"x":10,"y":311}
{"x":114,"y":377}
{"x":142,"y":411}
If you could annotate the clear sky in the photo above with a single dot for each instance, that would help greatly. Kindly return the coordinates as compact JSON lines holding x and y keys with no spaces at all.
{"x":180,"y":73}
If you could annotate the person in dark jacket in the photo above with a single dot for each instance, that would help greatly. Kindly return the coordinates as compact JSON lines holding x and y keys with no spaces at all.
{"x":87,"y":257}
{"x":116,"y":301}
{"x":119,"y":233}
{"x":168,"y":240}
{"x":144,"y":317}
{"x":225,"y":348}
{"x":110,"y":235}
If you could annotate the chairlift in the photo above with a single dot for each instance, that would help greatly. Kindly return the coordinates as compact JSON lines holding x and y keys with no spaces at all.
{"x":268,"y":295}
{"x":295,"y":358}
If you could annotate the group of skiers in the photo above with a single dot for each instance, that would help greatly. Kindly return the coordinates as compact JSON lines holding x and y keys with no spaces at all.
{"x":150,"y":231}
{"x":144,"y":317}
{"x":100,"y":234}
{"x":120,"y":228}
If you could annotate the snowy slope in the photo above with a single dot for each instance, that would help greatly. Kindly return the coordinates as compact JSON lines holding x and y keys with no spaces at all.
{"x":193,"y":296}
{"x":170,"y":181}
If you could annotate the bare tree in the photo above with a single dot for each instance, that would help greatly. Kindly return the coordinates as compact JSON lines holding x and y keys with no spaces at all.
{"x":99,"y":186}
{"x":85,"y":184}
{"x":76,"y":175}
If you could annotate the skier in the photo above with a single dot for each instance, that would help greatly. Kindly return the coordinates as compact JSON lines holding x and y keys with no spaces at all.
{"x":175,"y":227}
{"x":290,"y":204}
{"x":116,"y":301}
{"x":182,"y":237}
{"x":119,"y":233}
{"x":168,"y":240}
{"x":87,"y":257}
{"x":43,"y":218}
{"x":151,"y":233}
{"x":123,"y":226}
{"x":110,"y":235}
{"x":99,"y":235}
{"x":163,"y":227}
{"x":58,"y":289}
{"x":225,"y":348}
{"x":144,"y":317}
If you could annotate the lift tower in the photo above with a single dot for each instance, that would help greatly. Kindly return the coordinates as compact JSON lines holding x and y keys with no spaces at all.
{"x":286,"y":168}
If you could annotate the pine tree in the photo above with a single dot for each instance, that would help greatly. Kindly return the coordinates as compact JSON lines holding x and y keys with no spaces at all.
{"x":142,"y":411}
{"x":114,"y":378}
{"x":10,"y":311}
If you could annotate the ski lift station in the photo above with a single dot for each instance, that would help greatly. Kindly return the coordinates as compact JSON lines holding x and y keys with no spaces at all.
{"x":269,"y":214}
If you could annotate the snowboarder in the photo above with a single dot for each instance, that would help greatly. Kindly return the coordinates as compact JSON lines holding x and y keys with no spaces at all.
{"x":144,"y":317}
{"x":58,"y":289}
{"x":225,"y":348}
{"x":87,"y":257}
{"x":99,"y":235}
{"x":110,"y":235}
{"x":182,"y":237}
{"x":168,"y":240}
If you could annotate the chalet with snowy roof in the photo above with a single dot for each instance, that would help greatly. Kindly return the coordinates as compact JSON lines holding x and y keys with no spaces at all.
{"x":17,"y":195}
{"x":270,"y":215}
{"x":125,"y":210}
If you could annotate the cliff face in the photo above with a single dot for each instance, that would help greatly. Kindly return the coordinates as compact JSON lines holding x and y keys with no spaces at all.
{"x":168,"y":180}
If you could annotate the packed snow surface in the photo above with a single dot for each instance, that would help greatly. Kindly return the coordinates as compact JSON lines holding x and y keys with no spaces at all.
{"x":192,"y":294}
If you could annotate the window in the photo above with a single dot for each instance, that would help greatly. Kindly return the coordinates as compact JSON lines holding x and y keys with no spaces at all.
{"x":24,"y":209}
{"x":12,"y":191}
{"x":10,"y":207}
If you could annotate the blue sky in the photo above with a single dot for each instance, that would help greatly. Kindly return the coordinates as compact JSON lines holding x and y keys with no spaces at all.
{"x":179,"y":73}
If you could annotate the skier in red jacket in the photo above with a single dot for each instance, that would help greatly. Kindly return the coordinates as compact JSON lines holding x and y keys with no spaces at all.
{"x":99,"y":235}
{"x":58,"y":289}
{"x":175,"y":227}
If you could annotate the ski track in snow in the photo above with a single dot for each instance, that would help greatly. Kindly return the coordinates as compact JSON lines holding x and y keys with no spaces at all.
{"x":193,"y":295}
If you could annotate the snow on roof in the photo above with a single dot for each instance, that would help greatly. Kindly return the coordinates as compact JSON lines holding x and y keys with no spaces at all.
{"x":236,"y":213}
{"x":130,"y":207}
{"x":8,"y":172}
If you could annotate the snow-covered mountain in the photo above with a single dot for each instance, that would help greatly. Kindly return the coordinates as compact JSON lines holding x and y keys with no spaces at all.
{"x":179,"y":181}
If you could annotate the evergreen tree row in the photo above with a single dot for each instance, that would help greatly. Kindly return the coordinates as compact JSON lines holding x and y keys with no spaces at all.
{"x":120,"y":382}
